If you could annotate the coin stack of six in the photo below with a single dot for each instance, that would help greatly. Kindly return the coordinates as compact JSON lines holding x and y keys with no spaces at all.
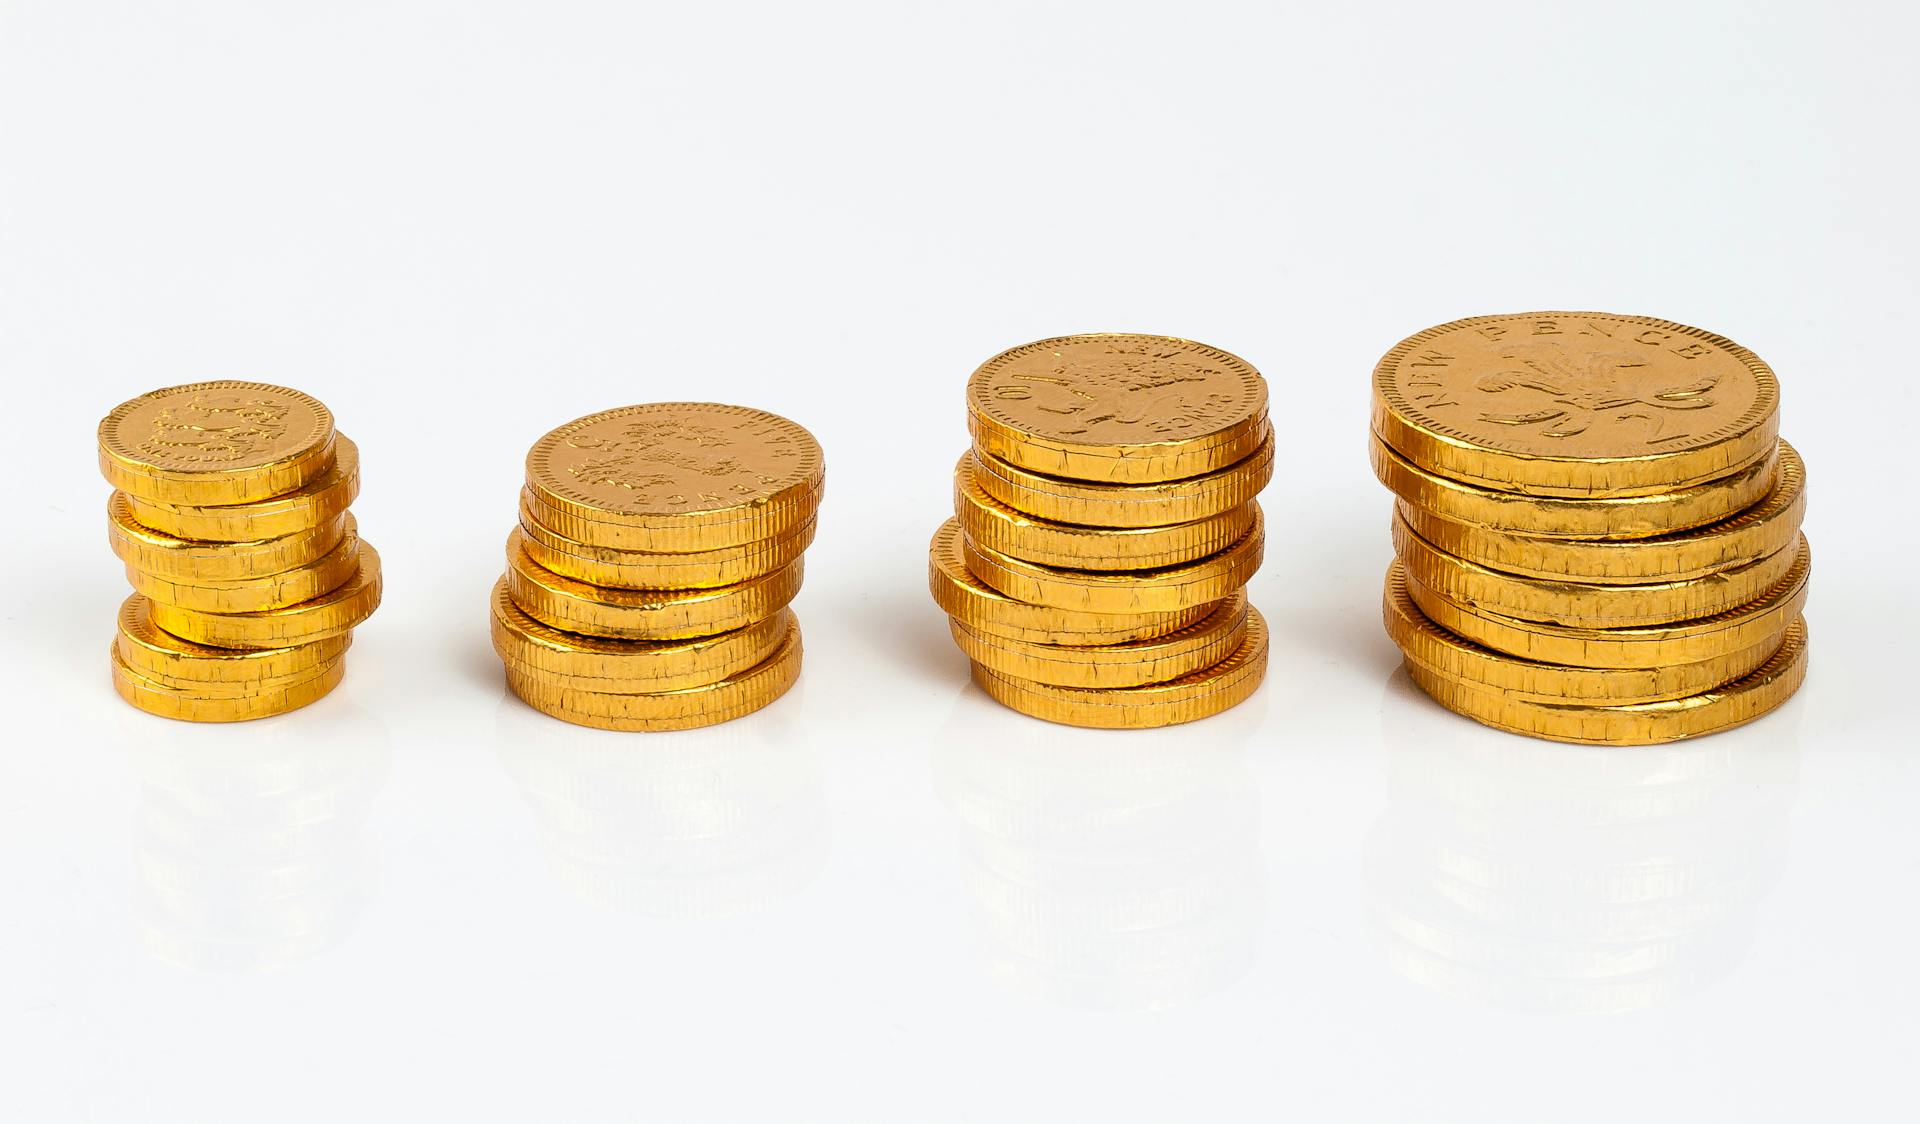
{"x":1105,"y":528}
{"x":657,"y":550}
{"x":1597,"y":527}
{"x":230,"y":514}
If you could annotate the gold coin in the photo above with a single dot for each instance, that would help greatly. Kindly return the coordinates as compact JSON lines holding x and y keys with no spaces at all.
{"x":1126,"y":505}
{"x":153,"y":653}
{"x":637,"y":540}
{"x":331,"y":614}
{"x":252,"y":595}
{"x":1446,"y":656}
{"x":195,"y":706}
{"x":707,"y":705}
{"x":1650,"y":723}
{"x":643,"y":614}
{"x":1119,"y":409}
{"x":216,"y":443}
{"x":214,"y":691}
{"x":1767,"y":528}
{"x":597,"y":663}
{"x":982,"y":608}
{"x":1652,"y":646}
{"x":628,"y":569}
{"x":996,"y":526}
{"x":1586,"y":605}
{"x":681,"y":476}
{"x":322,"y":499}
{"x":1575,"y":404}
{"x":1186,"y":699}
{"x":1193,"y":648}
{"x":165,"y":556}
{"x":1163,"y":590}
{"x":1630,"y":517}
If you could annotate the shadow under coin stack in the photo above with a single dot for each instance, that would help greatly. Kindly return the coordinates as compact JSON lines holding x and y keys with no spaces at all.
{"x":1598,"y":528}
{"x":647,"y":583}
{"x":1106,"y":528}
{"x":230,"y":512}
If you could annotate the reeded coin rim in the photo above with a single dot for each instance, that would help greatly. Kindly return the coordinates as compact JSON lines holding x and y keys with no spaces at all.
{"x":158,"y":699}
{"x":1017,"y":534}
{"x":776,"y":508}
{"x":1253,"y":386}
{"x":1592,"y":644}
{"x":263,"y":592}
{"x":1576,"y":604}
{"x":311,"y":504}
{"x":1642,"y":474}
{"x":1196,"y":647}
{"x":1693,"y":715}
{"x":1202,"y":581}
{"x":723,"y":701}
{"x":1418,"y":637}
{"x":619,"y":568}
{"x":1771,"y":524}
{"x":687,"y":612}
{"x":179,"y":660}
{"x":523,"y":639}
{"x":157,"y":552}
{"x":1558,"y":517}
{"x":964,"y":597}
{"x":1145,"y":504}
{"x":114,"y":448}
{"x":332,"y":613}
{"x":1185,"y":699}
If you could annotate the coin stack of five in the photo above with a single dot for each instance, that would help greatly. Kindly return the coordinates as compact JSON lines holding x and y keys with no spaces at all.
{"x":1598,"y":528}
{"x":1105,"y":528}
{"x":648,"y":580}
{"x":230,"y":513}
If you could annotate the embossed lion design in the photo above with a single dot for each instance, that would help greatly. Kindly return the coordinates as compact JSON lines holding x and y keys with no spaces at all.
{"x":218,"y":426}
{"x":1134,"y":387}
{"x":1585,"y":389}
{"x":632,"y":461}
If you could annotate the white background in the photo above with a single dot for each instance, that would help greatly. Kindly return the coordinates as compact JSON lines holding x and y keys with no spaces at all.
{"x":884,"y":898}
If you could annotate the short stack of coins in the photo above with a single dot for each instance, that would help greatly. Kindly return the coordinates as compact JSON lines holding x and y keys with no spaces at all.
{"x":1598,"y":527}
{"x":657,"y":551}
{"x":1105,"y":529}
{"x":230,"y":513}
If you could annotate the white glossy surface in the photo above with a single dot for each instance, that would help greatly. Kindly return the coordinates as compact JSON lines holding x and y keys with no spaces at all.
{"x":884,"y":898}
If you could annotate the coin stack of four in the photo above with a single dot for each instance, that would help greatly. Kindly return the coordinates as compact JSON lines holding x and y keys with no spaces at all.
{"x":1598,"y":528}
{"x":1105,"y":528}
{"x":648,"y":580}
{"x":230,"y":513}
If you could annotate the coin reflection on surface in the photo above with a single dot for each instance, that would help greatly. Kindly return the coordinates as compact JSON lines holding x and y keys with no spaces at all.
{"x":1110,"y":872}
{"x":705,"y":823}
{"x":1520,"y":875}
{"x":250,"y":849}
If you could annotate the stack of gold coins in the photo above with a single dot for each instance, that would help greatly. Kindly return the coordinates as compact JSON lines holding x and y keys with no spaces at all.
{"x":230,"y":513}
{"x":1598,"y":527}
{"x":1105,"y":528}
{"x":648,"y":580}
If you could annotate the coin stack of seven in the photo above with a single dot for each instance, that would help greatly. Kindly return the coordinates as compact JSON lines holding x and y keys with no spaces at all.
{"x":230,"y":513}
{"x":1598,"y":528}
{"x":1105,"y":530}
{"x":648,"y":581}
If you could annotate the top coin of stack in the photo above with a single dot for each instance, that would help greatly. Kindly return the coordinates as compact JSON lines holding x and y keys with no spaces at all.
{"x":648,"y":579}
{"x":230,"y":513}
{"x":1105,"y":527}
{"x":1598,"y":526}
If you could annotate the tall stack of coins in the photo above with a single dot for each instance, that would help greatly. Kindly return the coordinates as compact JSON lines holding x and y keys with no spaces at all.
{"x":1598,"y":527}
{"x":1105,"y":528}
{"x":648,"y":580}
{"x":230,"y":513}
